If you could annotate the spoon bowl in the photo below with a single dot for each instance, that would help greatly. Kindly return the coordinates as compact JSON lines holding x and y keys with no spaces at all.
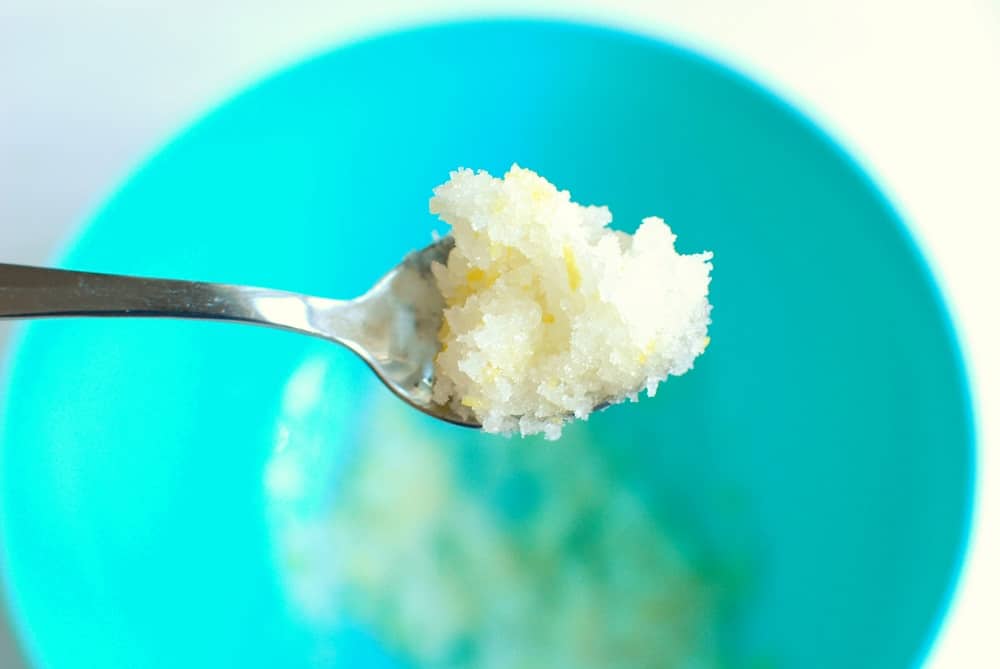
{"x":400,"y":318}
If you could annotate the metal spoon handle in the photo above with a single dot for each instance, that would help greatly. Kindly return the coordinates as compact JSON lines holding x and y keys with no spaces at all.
{"x":393,"y":327}
{"x":38,"y":292}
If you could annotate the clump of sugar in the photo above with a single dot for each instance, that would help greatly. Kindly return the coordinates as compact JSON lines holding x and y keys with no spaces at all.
{"x":549,"y":312}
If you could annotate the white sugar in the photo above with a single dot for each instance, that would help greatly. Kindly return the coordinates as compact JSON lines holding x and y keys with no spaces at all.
{"x":550,"y":313}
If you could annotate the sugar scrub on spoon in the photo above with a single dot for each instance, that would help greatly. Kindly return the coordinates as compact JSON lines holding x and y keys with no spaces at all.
{"x":550,"y":313}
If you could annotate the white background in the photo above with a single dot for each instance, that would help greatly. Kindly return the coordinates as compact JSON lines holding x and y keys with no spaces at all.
{"x":912,"y":88}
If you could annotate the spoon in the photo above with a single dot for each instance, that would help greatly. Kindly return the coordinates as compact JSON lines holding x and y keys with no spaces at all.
{"x":393,"y":327}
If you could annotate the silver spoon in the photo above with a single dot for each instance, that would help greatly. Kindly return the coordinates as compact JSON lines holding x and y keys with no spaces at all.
{"x":393,"y":327}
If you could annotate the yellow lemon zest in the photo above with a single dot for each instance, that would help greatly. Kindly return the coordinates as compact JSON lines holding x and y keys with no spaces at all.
{"x":572,"y":269}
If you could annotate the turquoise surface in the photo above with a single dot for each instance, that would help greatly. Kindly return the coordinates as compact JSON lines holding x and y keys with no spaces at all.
{"x":823,"y":444}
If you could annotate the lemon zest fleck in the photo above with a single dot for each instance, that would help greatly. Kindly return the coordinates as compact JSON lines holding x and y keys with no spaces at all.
{"x":572,"y":269}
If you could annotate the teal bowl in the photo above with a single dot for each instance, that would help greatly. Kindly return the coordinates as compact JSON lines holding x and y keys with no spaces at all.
{"x":172,"y":492}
